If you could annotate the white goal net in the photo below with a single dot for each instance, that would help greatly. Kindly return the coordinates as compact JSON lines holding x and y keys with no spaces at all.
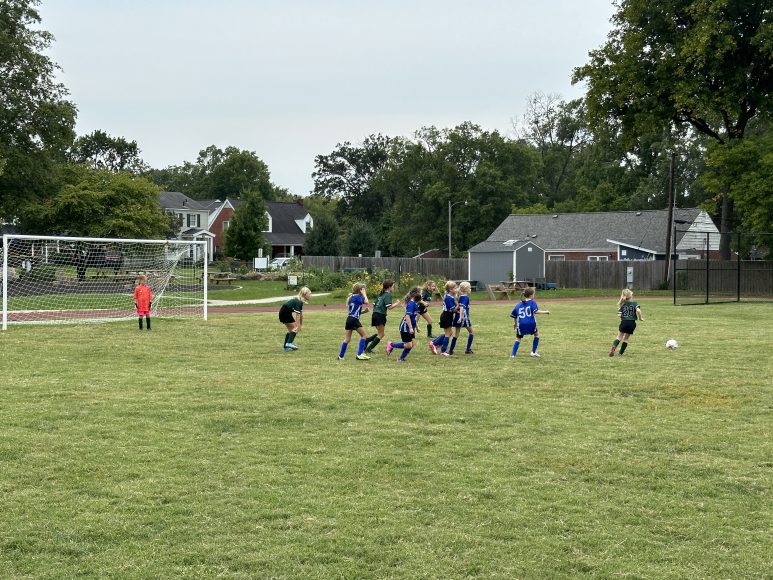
{"x":55,"y":280}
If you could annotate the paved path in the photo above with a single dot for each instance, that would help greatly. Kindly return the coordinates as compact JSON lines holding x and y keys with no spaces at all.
{"x":258,"y":300}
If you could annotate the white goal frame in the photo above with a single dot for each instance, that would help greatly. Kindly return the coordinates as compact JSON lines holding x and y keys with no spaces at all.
{"x":197,"y":248}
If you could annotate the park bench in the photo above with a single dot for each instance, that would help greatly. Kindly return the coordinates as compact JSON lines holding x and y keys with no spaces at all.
{"x":218,"y":277}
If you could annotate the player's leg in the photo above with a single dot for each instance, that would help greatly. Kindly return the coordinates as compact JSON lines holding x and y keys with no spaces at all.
{"x":470,"y":337}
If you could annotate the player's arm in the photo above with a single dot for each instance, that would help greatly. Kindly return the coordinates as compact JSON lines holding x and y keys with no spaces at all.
{"x":638,"y":314}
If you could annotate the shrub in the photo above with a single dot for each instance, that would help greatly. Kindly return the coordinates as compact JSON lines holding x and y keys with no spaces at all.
{"x":39,"y":273}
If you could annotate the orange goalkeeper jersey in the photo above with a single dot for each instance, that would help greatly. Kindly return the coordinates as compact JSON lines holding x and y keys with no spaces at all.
{"x":142,"y":297}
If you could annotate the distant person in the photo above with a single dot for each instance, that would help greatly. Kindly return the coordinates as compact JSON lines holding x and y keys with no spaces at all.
{"x":450,"y":307}
{"x":143,"y":299}
{"x":427,"y":293}
{"x":379,"y":317}
{"x":628,"y":311}
{"x":407,"y":325}
{"x":462,"y":319}
{"x":292,"y":307}
{"x":355,"y":304}
{"x":525,"y":322}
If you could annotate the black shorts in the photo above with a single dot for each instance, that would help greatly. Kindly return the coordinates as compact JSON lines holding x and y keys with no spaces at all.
{"x":378,"y":319}
{"x":422,"y":308}
{"x":446,"y":319}
{"x":352,"y":323}
{"x":407,"y":336}
{"x":627,"y":326}
{"x":286,"y":315}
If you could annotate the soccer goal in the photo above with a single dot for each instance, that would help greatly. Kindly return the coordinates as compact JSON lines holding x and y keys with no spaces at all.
{"x":60,"y":280}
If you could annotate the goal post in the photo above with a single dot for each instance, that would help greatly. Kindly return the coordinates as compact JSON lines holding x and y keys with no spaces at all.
{"x":69,"y":280}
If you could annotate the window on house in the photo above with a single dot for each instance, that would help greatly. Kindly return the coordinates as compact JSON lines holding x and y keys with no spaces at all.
{"x":598,"y":258}
{"x":226,"y":223}
{"x":556,"y":258}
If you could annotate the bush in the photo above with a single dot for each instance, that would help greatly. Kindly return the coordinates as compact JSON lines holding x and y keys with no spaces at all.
{"x":39,"y":273}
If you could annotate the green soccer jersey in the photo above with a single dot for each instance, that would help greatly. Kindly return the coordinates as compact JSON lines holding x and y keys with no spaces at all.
{"x":383,"y":302}
{"x":296,"y":304}
{"x":426,"y":296}
{"x":628,"y":310}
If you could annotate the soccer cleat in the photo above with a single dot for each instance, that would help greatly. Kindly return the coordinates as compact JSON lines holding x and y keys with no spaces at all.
{"x":468,"y":352}
{"x":389,"y":347}
{"x":612,"y":352}
{"x":512,"y":356}
{"x":444,"y":354}
{"x":432,"y":348}
{"x":362,"y":356}
{"x":291,"y":346}
{"x":535,"y":355}
{"x":431,"y":336}
{"x":400,"y":360}
{"x":340,"y":358}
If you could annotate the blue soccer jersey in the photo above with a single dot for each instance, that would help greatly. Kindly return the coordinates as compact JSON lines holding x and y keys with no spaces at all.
{"x":449,"y":303}
{"x":524,"y":313}
{"x":355,"y":305}
{"x":412,"y":312}
{"x":462,"y":317}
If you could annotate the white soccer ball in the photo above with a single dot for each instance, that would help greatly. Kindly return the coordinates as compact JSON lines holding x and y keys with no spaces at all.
{"x":671,"y":344}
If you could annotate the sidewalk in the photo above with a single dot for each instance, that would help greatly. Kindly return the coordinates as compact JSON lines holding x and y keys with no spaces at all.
{"x":257,"y":300}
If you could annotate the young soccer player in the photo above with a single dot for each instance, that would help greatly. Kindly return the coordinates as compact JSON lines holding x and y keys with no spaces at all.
{"x":143,"y":298}
{"x":427,"y":293}
{"x":286,"y":312}
{"x":462,"y":319}
{"x":525,"y":321}
{"x":450,"y":306}
{"x":379,"y":317}
{"x":356,"y":306}
{"x":407,"y":325}
{"x":628,"y":311}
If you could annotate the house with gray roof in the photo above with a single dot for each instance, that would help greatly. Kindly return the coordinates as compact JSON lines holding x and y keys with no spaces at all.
{"x":288,"y":222}
{"x":624,"y":235}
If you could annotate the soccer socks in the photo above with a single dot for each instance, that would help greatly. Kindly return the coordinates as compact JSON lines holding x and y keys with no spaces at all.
{"x":147,"y":320}
{"x":342,"y":352}
{"x":429,"y":330}
{"x":291,"y":337}
{"x":444,"y":343}
{"x":516,"y":344}
{"x":405,"y":353}
{"x":469,"y":342}
{"x":614,"y":347}
{"x":361,"y":346}
{"x":623,"y":347}
{"x":140,"y":321}
{"x":372,"y":342}
{"x":439,"y":340}
{"x":535,"y":344}
{"x":453,"y":345}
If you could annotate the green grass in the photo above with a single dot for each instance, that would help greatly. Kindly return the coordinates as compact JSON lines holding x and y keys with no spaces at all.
{"x":202,"y":450}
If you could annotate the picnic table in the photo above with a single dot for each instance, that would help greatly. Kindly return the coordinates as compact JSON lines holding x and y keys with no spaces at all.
{"x":218,"y":277}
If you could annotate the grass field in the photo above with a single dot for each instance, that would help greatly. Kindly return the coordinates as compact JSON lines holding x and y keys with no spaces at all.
{"x":203,"y":450}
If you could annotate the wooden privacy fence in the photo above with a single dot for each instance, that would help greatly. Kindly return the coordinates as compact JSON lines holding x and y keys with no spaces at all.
{"x":755,"y":277}
{"x":449,"y":268}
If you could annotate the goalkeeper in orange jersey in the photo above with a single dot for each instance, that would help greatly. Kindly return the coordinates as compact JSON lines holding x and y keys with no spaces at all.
{"x":143,"y":297}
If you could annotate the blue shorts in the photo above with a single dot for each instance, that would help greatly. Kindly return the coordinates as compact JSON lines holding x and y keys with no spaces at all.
{"x":522,"y":330}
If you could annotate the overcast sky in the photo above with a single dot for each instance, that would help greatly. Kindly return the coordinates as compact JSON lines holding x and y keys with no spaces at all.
{"x":289,"y":79}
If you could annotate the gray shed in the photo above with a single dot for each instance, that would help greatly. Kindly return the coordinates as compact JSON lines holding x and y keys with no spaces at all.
{"x":491,"y":262}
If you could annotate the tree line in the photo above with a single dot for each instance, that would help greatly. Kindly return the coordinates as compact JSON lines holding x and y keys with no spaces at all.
{"x":677,"y":110}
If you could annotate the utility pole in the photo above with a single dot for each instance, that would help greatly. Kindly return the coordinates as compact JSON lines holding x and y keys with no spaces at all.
{"x":670,"y":220}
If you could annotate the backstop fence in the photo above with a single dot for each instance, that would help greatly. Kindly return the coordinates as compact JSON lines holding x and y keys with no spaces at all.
{"x":705,"y":278}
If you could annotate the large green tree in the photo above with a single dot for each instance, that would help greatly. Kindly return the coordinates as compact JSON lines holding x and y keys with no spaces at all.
{"x":36,"y":119}
{"x":244,"y":237}
{"x":99,"y":203}
{"x":348,"y":174}
{"x":219,"y":173}
{"x":324,"y":237}
{"x":99,"y":150}
{"x":706,"y":63}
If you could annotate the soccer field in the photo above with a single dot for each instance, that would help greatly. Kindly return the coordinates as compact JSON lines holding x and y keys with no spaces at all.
{"x":203,"y":450}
